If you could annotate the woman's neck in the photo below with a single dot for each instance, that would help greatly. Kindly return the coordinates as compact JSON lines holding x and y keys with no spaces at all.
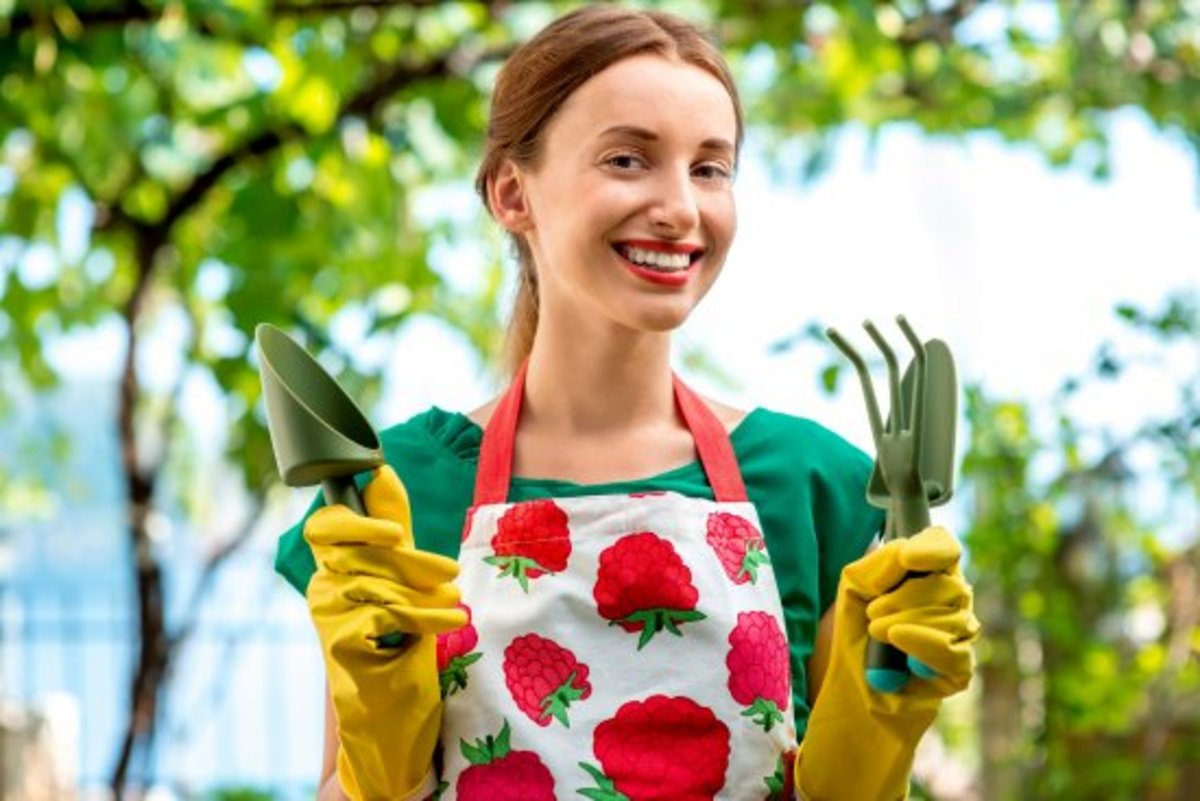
{"x":593,"y":385}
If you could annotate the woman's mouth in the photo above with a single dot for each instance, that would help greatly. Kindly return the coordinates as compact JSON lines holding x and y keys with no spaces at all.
{"x":663,"y":267}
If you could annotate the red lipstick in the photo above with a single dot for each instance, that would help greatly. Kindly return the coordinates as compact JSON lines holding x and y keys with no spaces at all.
{"x":673,"y":278}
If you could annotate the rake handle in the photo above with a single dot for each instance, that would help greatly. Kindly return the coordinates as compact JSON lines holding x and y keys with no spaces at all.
{"x":889,"y":668}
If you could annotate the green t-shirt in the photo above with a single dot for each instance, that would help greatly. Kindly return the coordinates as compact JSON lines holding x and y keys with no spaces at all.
{"x":807,"y":484}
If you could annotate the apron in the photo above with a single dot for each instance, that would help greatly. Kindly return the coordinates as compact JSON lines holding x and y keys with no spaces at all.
{"x":618,"y":646}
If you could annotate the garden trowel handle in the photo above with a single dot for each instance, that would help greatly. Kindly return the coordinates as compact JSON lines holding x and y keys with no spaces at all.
{"x":342,"y":490}
{"x":888,"y":668}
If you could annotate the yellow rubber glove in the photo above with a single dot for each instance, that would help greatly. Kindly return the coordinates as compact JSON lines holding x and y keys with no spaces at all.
{"x":372,"y":583}
{"x":860,"y":743}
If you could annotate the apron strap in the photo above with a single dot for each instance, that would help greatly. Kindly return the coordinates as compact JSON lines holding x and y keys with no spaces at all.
{"x":712,"y":445}
{"x":494,"y":473}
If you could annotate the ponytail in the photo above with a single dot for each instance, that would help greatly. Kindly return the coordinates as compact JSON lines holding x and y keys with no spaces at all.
{"x":522,"y":323}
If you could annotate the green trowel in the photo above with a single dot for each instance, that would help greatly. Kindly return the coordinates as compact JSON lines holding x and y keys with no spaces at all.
{"x":914,"y":463}
{"x":318,"y":433}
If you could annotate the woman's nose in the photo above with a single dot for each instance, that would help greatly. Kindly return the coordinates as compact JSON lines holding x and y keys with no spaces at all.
{"x":675,"y":206}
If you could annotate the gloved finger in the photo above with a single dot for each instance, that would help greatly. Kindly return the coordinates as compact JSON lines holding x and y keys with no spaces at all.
{"x":948,"y":590}
{"x":950,"y":655}
{"x":332,"y":591}
{"x":932,"y":550}
{"x":389,"y":619}
{"x":409,"y":567}
{"x":337,"y":621}
{"x":875,"y":573}
{"x":957,"y":623}
{"x":881,"y":570}
{"x":386,"y":499}
{"x":337,"y":525}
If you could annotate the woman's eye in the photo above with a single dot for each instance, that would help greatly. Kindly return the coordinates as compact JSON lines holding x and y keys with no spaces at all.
{"x":624,"y":161}
{"x":714,"y":172}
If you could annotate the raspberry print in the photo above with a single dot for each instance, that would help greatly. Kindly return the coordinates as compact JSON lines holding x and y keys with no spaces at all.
{"x":531,"y":539}
{"x":739,"y":546}
{"x":454,"y":655}
{"x":643,"y":585}
{"x":759,"y":673}
{"x":544,"y":678}
{"x":498,"y":773}
{"x":661,"y":749}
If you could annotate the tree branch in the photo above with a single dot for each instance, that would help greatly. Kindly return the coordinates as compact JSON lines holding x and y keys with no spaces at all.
{"x":364,"y":103}
{"x":937,"y":26}
{"x":136,"y":12}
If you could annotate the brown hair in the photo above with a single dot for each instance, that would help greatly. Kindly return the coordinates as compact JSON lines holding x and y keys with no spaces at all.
{"x":535,"y":81}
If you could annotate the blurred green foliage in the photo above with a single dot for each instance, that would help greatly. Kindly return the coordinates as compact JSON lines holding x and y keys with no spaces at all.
{"x":240,"y":794}
{"x":228,"y":163}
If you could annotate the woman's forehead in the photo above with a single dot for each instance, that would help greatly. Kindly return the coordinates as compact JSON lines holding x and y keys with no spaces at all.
{"x":649,"y":91}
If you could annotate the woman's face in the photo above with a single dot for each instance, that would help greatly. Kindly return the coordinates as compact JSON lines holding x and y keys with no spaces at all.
{"x":630,"y":206}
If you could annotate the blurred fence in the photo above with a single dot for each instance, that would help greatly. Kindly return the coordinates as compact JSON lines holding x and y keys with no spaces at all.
{"x":243,"y":712}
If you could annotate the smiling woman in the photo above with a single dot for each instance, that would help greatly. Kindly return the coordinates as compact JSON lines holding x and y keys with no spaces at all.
{"x":636,"y":167}
{"x":532,"y":607}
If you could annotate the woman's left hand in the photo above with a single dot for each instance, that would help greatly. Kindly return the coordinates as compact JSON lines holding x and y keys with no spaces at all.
{"x":930,"y":617}
{"x":860,"y":743}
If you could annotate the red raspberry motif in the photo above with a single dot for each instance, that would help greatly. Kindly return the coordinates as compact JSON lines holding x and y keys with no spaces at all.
{"x":544,"y":678}
{"x":454,"y":655}
{"x":739,"y":546}
{"x":759,"y":672}
{"x":498,"y":773}
{"x":658,"y":749}
{"x":531,"y":539}
{"x":643,"y":585}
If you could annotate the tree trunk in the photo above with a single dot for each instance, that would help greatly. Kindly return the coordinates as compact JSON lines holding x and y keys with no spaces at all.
{"x":1000,"y":715}
{"x":153,"y":645}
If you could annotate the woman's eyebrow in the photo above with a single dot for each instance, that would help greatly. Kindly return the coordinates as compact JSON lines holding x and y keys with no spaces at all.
{"x":634,"y":132}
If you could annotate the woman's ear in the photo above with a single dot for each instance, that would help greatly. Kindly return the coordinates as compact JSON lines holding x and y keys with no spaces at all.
{"x":508,"y":199}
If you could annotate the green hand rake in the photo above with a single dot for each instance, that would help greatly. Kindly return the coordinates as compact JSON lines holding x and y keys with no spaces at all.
{"x":914,"y":462}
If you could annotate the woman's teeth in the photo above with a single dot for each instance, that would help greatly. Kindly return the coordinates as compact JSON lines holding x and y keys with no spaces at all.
{"x":666,"y":262}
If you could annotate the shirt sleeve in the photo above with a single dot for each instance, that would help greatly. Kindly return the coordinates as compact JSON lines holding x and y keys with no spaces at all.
{"x":293,"y":556}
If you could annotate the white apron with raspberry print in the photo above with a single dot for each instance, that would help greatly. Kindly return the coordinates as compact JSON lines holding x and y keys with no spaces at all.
{"x":619,"y":647}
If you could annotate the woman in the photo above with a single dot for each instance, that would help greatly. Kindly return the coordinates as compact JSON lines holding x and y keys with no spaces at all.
{"x":607,"y":586}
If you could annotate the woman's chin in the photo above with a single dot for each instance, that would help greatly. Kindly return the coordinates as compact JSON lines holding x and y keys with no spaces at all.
{"x":657,"y":317}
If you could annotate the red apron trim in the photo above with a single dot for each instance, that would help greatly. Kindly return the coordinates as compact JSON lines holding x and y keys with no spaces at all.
{"x":494,"y":474}
{"x":712,"y":444}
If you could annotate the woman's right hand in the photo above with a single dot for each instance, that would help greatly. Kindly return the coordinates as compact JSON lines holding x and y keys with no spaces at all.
{"x":378,"y":605}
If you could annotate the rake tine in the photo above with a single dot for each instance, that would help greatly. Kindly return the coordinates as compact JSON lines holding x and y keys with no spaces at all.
{"x":864,"y":378}
{"x":898,"y":422}
{"x":917,"y":408}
